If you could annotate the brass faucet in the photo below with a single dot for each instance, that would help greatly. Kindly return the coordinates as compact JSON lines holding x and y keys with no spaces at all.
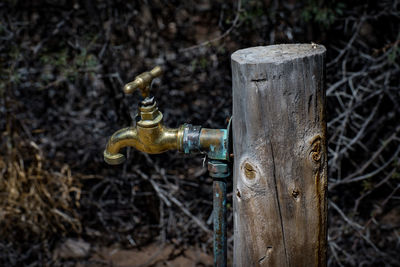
{"x":152,"y":137}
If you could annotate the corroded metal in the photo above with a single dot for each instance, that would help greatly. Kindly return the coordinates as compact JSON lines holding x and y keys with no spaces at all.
{"x":191,"y":139}
{"x":219,"y":171}
{"x":215,"y":142}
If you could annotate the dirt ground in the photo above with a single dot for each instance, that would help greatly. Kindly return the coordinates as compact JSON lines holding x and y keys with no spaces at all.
{"x":155,"y":254}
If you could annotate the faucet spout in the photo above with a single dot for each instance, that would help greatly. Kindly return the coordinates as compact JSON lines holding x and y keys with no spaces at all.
{"x":121,"y":138}
{"x":153,"y":140}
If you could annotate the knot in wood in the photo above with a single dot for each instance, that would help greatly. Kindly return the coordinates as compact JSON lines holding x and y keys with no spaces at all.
{"x":249,"y":171}
{"x":316,"y":148}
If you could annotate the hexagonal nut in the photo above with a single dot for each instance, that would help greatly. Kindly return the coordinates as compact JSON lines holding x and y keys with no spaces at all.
{"x":217,"y":167}
{"x":149,"y":115}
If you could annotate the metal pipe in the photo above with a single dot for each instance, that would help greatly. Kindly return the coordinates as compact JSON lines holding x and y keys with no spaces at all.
{"x":219,"y":171}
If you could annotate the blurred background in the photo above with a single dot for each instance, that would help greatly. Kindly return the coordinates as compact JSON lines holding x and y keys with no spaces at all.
{"x":63,"y":66}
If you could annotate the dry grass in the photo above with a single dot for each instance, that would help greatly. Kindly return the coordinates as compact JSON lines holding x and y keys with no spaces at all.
{"x":35,"y":202}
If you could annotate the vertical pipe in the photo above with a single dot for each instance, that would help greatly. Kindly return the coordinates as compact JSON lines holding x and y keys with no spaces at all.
{"x":219,"y":213}
{"x":219,"y":171}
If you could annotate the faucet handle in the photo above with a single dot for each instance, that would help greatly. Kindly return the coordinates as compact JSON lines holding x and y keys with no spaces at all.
{"x":143,"y":82}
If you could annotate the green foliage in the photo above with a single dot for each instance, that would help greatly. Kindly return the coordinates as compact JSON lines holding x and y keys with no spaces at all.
{"x":15,"y":54}
{"x":57,"y":59}
{"x":393,"y":55}
{"x":14,"y":74}
{"x":396,"y":176}
{"x":322,"y":13}
{"x":367,"y":185}
{"x":201,"y":63}
{"x":251,"y":11}
{"x":68,"y":68}
{"x":396,"y":173}
{"x":2,"y":89}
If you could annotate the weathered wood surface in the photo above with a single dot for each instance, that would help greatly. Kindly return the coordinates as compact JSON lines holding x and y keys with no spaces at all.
{"x":280,"y":167}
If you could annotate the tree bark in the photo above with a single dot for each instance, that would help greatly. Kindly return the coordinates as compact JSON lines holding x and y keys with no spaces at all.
{"x":280,"y":166}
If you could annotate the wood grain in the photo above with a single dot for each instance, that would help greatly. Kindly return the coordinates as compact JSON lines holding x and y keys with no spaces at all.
{"x":280,"y":167}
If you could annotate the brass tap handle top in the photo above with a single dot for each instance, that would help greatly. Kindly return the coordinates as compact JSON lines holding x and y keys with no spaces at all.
{"x":143,"y":82}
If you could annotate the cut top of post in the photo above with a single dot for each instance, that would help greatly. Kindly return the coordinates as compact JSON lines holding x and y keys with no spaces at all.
{"x":276,"y":53}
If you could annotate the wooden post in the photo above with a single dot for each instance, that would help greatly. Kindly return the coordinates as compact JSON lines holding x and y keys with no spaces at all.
{"x":280,"y":166}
